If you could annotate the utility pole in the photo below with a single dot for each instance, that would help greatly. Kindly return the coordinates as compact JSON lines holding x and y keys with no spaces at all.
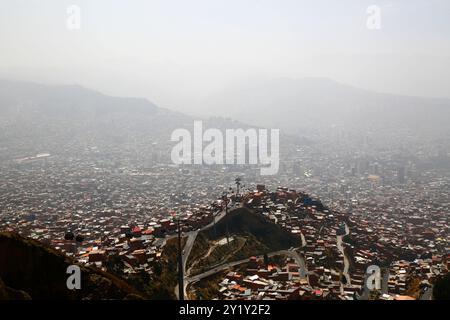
{"x":238,"y":184}
{"x":214,"y":223}
{"x":180,"y":265}
{"x":225,"y":199}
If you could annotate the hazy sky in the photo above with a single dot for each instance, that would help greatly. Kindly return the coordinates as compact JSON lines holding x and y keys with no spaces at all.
{"x":176,"y":52}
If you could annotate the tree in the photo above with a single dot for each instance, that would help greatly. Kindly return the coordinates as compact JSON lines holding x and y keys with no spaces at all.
{"x":157,"y":268}
{"x":441,"y":289}
{"x":114,"y":264}
{"x":266,"y":259}
{"x":69,"y":236}
{"x":374,"y":295}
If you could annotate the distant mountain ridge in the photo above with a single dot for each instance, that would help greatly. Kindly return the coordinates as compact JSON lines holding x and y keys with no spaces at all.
{"x":38,"y":118}
{"x":71,"y":119}
{"x":65,"y":100}
{"x":295,"y":104}
{"x":287,"y":104}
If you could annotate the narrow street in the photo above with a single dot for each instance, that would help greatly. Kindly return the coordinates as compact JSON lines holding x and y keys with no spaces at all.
{"x":346,"y":261}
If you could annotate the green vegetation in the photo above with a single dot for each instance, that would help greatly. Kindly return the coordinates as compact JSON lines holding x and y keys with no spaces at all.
{"x":207,"y":291}
{"x":349,"y":240}
{"x":413,"y":287}
{"x":374,"y":295}
{"x":441,"y":289}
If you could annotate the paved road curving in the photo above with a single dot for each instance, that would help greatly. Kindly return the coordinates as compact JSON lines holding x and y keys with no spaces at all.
{"x":227,"y":265}
{"x":341,"y":249}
